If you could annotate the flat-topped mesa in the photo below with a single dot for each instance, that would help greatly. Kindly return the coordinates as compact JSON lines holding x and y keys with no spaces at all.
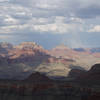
{"x":62,"y":51}
{"x":61,"y":47}
{"x":28,"y":46}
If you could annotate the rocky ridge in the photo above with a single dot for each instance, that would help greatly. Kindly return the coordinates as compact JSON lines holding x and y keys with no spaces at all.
{"x":21,"y":60}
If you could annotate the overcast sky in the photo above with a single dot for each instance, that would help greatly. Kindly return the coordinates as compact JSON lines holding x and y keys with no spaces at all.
{"x":75,"y":23}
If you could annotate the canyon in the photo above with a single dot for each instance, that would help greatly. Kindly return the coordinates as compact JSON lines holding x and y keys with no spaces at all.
{"x":19,"y":61}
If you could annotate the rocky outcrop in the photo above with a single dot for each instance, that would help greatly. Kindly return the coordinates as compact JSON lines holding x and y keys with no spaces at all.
{"x":21,"y":60}
{"x":27,"y":48}
{"x":92,"y":76}
{"x":37,"y":77}
{"x":75,"y":73}
{"x":27,"y":52}
{"x":18,"y":61}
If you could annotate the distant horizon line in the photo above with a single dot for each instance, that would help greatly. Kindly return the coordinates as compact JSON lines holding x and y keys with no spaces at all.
{"x":60,"y":44}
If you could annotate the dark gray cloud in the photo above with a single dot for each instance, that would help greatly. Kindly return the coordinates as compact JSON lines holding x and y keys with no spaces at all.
{"x":47,"y":8}
{"x":89,"y":12}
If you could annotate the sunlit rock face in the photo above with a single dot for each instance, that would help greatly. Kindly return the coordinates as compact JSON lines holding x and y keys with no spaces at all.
{"x":26,"y":50}
{"x":22,"y":60}
{"x":28,"y":46}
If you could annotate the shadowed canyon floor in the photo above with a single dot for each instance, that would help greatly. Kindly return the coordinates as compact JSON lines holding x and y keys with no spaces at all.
{"x":39,"y":87}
